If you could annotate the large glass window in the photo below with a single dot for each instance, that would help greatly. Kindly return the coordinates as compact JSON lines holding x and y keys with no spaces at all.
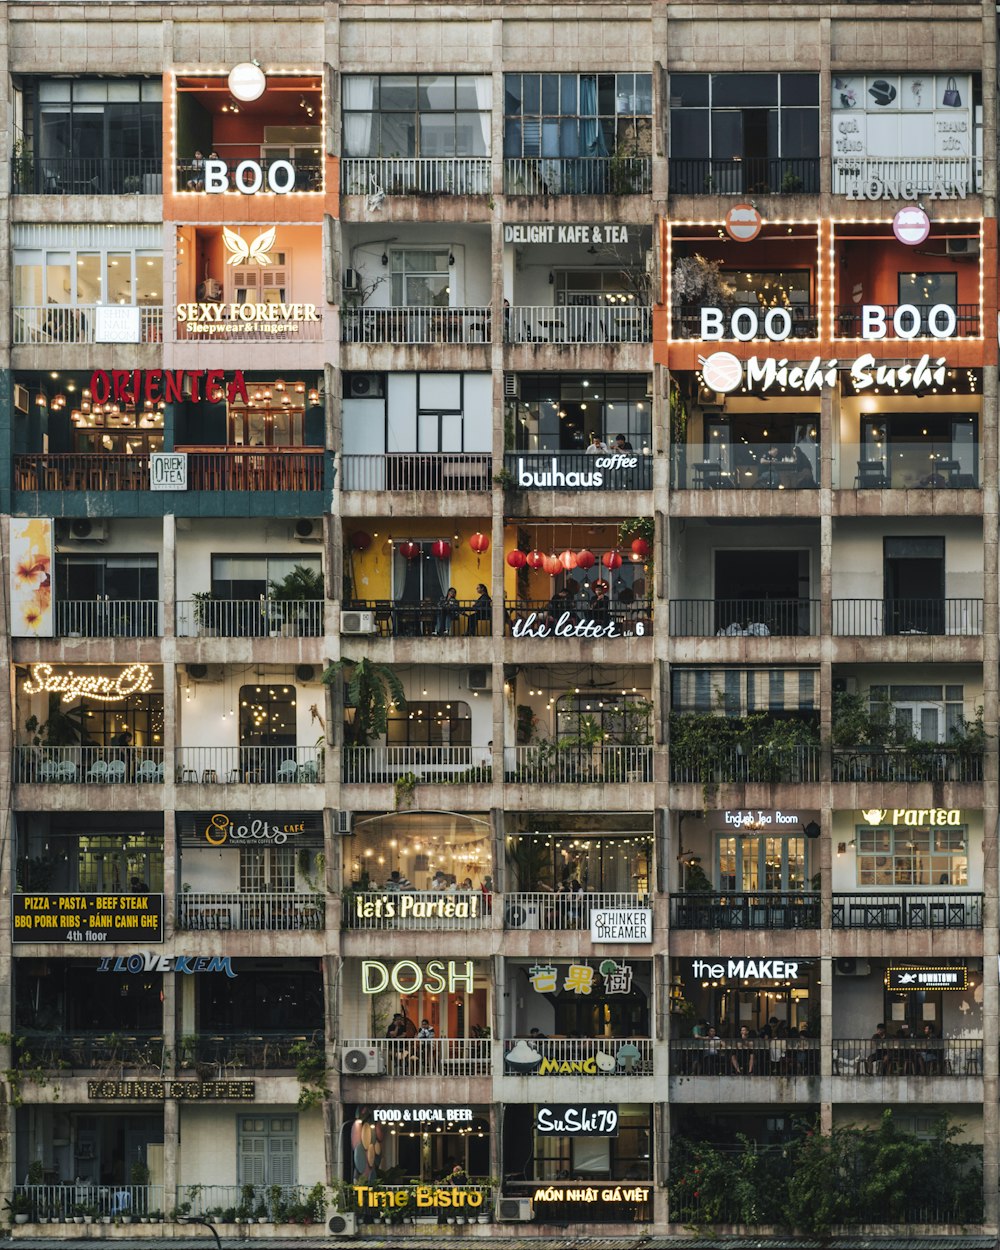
{"x":249,"y":577}
{"x":559,"y":411}
{"x":87,"y":276}
{"x":754,"y":862}
{"x":420,"y":278}
{"x":119,"y":863}
{"x":430,"y":115}
{"x":577,"y":115}
{"x":117,"y":577}
{"x":434,"y":723}
{"x":927,"y":289}
{"x":891,"y":856}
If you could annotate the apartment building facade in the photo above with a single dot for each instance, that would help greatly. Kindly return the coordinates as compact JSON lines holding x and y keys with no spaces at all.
{"x":665,"y":334}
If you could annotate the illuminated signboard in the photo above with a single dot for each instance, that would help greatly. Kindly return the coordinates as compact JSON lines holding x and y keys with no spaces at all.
{"x":421,"y":1197}
{"x":417,"y":1117}
{"x":44,"y":679}
{"x":400,"y":904}
{"x":576,"y":1120}
{"x":910,"y":979}
{"x":408,"y":977}
{"x":86,"y":917}
{"x":766,"y":969}
{"x":149,"y":961}
{"x":619,"y":924}
{"x":915,"y":817}
{"x":172,"y":386}
{"x":724,"y":372}
{"x":577,"y":233}
{"x":188,"y":1091}
{"x":592,"y":1193}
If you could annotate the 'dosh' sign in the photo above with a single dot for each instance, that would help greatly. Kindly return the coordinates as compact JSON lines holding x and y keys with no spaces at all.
{"x":615,"y":924}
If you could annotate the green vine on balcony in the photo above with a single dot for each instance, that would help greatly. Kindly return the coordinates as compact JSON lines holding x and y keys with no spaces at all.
{"x":311,"y":1071}
{"x":26,"y":1067}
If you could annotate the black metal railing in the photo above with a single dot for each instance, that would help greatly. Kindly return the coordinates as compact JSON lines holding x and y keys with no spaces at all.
{"x":88,"y":175}
{"x":879,"y":617}
{"x":753,"y":1057}
{"x":804,"y":318}
{"x":577,"y":175}
{"x":908,"y":1056}
{"x":763,"y":910}
{"x":578,"y":470}
{"x":848,"y":322}
{"x":752,"y":763}
{"x":761,"y":175}
{"x":921,"y":761}
{"x":753,"y":618}
{"x":109,"y":1051}
{"x":524,"y":618}
{"x":895,"y":910}
{"x":414,"y":620}
{"x":107,"y":618}
{"x":233,"y":1053}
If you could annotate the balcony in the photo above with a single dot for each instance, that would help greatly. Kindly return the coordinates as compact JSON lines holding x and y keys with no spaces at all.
{"x":102,"y":1202}
{"x":88,"y":765}
{"x":744,"y":618}
{"x":423,"y":911}
{"x":434,"y":1056}
{"x":87,"y":175}
{"x":549,"y":911}
{"x":109,"y":1054}
{"x":796,"y":909}
{"x":239,"y":1054}
{"x":879,"y":618}
{"x":753,"y":763}
{"x":546,"y":323}
{"x":748,"y":467}
{"x":847,"y":322}
{"x":414,"y":620}
{"x":249,"y":618}
{"x":50,"y":324}
{"x":601,"y":1056}
{"x":216,"y":469}
{"x":571,"y":470}
{"x":270,"y":913}
{"x":686,"y":323}
{"x":248,"y":765}
{"x":917,"y":1056}
{"x":430,"y":765}
{"x":411,"y":175}
{"x":412,"y":472}
{"x":923,"y":761}
{"x":107,"y":618}
{"x":577,"y":175}
{"x":908,"y":178}
{"x":546,"y":763}
{"x":754,"y":176}
{"x":758,"y":1057}
{"x":308,"y":172}
{"x":919,"y":910}
{"x":901,"y":465}
{"x":416,"y":325}
{"x":524,"y":617}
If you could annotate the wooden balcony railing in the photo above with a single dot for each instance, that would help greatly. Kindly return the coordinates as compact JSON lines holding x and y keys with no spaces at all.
{"x":214,"y":468}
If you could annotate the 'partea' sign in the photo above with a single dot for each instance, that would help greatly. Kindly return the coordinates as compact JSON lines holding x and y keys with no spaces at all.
{"x":915,"y":817}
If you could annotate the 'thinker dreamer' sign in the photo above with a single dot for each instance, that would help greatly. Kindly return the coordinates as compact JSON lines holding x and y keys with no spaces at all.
{"x":621,"y":924}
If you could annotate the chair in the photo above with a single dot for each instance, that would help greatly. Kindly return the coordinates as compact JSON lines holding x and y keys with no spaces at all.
{"x":50,"y":771}
{"x":98,"y":771}
{"x":67,"y":770}
{"x":287,"y":771}
{"x":115,"y":771}
{"x":870,"y":475}
{"x":147,"y":770}
{"x":306,"y":772}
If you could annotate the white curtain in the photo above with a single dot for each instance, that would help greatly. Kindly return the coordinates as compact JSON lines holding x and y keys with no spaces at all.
{"x":484,"y":102}
{"x":359,"y":95}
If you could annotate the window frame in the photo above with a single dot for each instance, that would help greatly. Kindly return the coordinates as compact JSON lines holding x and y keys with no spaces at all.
{"x":900,"y":861}
{"x":712,"y":110}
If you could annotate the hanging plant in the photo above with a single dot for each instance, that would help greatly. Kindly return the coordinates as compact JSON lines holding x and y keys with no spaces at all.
{"x":638,"y":530}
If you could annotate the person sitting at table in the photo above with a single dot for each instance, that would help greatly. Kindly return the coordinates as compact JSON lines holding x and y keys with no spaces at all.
{"x":931,"y":1055}
{"x":397,"y":881}
{"x":713,"y":1051}
{"x":446,"y":614}
{"x":197,"y":179}
{"x":742,"y":1055}
{"x":622,"y":443}
{"x":876,"y":1060}
{"x":597,"y":446}
{"x":801,"y":474}
{"x":482,"y":609}
{"x":600,"y":604}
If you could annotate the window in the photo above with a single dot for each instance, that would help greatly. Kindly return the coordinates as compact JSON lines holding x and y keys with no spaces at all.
{"x":254,"y":285}
{"x":577,"y":115}
{"x":433,"y":723}
{"x":925,"y":857}
{"x":559,"y":411}
{"x":592,"y":288}
{"x":429,"y":115}
{"x":107,"y":577}
{"x":267,"y":869}
{"x":103,"y":724}
{"x":928,"y":713}
{"x":249,"y":577}
{"x":927,"y":289}
{"x":618,"y":864}
{"x":87,"y":277}
{"x":267,"y":716}
{"x":754,"y":862}
{"x":420,"y":278}
{"x":119,"y":864}
{"x":267,"y":1150}
{"x":421,"y":579}
{"x":619,"y":719}
{"x":732,"y":133}
{"x":606,"y":1158}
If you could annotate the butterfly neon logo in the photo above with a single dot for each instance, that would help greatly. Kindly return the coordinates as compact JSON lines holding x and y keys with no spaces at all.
{"x":258,"y":249}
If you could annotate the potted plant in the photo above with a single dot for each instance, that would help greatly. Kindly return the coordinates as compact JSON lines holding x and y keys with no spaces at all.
{"x":19,"y":1207}
{"x":303,"y":584}
{"x":206,"y":613}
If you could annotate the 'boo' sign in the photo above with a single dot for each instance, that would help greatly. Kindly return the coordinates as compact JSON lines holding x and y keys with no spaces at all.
{"x":249,"y":177}
{"x":908,"y":322}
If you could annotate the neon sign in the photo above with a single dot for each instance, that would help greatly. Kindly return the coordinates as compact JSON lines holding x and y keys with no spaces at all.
{"x":135,"y":679}
{"x":407,"y":976}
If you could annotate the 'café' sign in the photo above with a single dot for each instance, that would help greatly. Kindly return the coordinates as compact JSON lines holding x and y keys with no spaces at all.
{"x":222,"y":829}
{"x":554,"y":477}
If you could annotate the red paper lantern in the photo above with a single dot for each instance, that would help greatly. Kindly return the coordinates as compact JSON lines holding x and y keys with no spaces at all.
{"x":568,"y":560}
{"x":640,"y":547}
{"x":440,"y":549}
{"x":516,"y":559}
{"x":479,"y":543}
{"x":552,"y":565}
{"x":361,"y":541}
{"x":535,"y":559}
{"x":611,"y":560}
{"x":408,"y":550}
{"x":585,"y":559}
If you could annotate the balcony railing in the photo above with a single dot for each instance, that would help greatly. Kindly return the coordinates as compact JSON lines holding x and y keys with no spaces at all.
{"x":430,"y":765}
{"x":234,"y":1054}
{"x":750,"y":764}
{"x":412,"y":1056}
{"x":588,"y":1056}
{"x":525,"y":617}
{"x":416,"y":325}
{"x":107,"y":618}
{"x":902,"y":178}
{"x":860,"y":618}
{"x":924,"y":761}
{"x":746,"y":466}
{"x":686,"y":323}
{"x":47,"y":324}
{"x":88,"y":765}
{"x":110,"y":1053}
{"x":412,"y":471}
{"x":279,"y":912}
{"x":609,"y":323}
{"x":87,"y":175}
{"x":308,"y":172}
{"x":249,"y":765}
{"x":239,"y":1202}
{"x":577,"y":175}
{"x":755,"y":175}
{"x":249,"y":618}
{"x":426,"y":911}
{"x":934,"y":464}
{"x":219,"y":469}
{"x":546,"y":910}
{"x":411,"y":175}
{"x":919,"y":910}
{"x":576,"y":470}
{"x":914,"y":1056}
{"x":100,"y":1202}
{"x":545,"y":763}
{"x":847,"y":322}
{"x":414,"y":620}
{"x":794,"y":909}
{"x":756,"y":1057}
{"x":744,"y":618}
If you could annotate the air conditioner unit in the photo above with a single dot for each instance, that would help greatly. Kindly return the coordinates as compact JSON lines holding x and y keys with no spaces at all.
{"x":357,"y":622}
{"x":361,"y":1061}
{"x":852,"y":967}
{"x":85,"y":530}
{"x":480,"y":679}
{"x":205,"y":672}
{"x":307,"y":530}
{"x":343,"y":1224}
{"x":511,"y":388}
{"x":521,"y":916}
{"x":352,"y":280}
{"x":366,"y":386}
{"x":962,"y":247}
{"x":344,"y":822}
{"x":515,"y":1209}
{"x":22,"y":397}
